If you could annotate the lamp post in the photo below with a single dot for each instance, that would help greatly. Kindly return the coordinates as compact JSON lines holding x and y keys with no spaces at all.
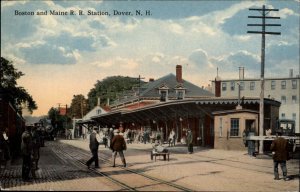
{"x":180,"y":119}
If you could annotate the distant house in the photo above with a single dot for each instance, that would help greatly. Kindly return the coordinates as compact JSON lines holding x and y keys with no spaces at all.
{"x":62,"y":110}
{"x":82,"y":126}
{"x":286,"y":90}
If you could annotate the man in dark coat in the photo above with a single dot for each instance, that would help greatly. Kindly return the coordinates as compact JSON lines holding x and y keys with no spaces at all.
{"x":279,"y":148}
{"x":26,"y":148}
{"x":94,"y":145}
{"x":189,"y":141}
{"x":118,"y":144}
{"x":36,"y":142}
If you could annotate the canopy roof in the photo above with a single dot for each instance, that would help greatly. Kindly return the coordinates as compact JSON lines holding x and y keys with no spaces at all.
{"x":165,"y":111}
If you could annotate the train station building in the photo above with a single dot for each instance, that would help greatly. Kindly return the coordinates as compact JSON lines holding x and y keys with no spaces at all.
{"x":171,"y":102}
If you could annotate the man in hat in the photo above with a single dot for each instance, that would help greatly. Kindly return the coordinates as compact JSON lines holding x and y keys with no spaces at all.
{"x":279,"y":148}
{"x":189,"y":141}
{"x":118,"y":144}
{"x":26,"y":148}
{"x":94,"y":145}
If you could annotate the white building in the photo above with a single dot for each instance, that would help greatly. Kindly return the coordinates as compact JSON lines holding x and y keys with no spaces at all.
{"x":83,"y":125}
{"x":286,"y":90}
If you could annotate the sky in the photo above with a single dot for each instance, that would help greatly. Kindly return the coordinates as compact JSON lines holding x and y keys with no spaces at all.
{"x":65,"y":55}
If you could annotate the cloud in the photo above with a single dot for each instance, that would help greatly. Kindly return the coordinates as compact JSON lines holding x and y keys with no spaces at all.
{"x":176,"y":28}
{"x":119,"y":62}
{"x":232,"y":61}
{"x":199,"y":57}
{"x":49,"y":54}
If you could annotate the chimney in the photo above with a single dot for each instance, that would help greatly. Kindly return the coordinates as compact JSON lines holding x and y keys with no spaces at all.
{"x":179,"y":73}
{"x":241,"y":72}
{"x":151,"y":79}
{"x":291,"y":73}
{"x":218,"y":85}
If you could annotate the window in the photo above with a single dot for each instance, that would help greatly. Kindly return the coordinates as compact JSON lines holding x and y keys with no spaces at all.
{"x":242,"y":86}
{"x":283,"y":84}
{"x":273,"y":85}
{"x":223,"y":86}
{"x":294,"y":98}
{"x":221,"y":127}
{"x":180,"y":94}
{"x":234,"y":127}
{"x":99,"y":111}
{"x":294,"y":84}
{"x":252,"y":85}
{"x":294,"y":116}
{"x":283,"y":99}
{"x":283,"y":115}
{"x":163,"y":95}
{"x":232,"y":84}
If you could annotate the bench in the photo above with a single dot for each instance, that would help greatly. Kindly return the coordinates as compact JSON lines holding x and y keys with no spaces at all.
{"x":164,"y":154}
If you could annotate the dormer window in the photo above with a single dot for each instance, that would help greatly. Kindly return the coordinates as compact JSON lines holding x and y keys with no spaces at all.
{"x":163,"y":92}
{"x":180,"y":94}
{"x":163,"y":95}
{"x":180,"y":91}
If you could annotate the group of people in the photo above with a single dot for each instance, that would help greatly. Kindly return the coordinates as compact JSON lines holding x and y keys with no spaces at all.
{"x":32,"y":140}
{"x":116,"y":143}
{"x":30,"y":149}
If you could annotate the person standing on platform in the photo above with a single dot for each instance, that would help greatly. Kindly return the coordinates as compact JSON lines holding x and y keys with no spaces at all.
{"x":95,"y":140}
{"x":26,"y":148}
{"x":110,"y":135}
{"x":36,"y":144}
{"x":118,"y":144}
{"x":279,"y":148}
{"x":189,"y":141}
{"x":6,"y":155}
{"x":172,"y":138}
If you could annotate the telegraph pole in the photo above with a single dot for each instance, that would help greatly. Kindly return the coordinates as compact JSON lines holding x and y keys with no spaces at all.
{"x":263,"y":32}
{"x":139,"y":91}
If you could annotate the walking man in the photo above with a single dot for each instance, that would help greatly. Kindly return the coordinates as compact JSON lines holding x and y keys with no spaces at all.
{"x":279,"y":148}
{"x":118,"y":144}
{"x":94,"y":145}
{"x":26,"y":148}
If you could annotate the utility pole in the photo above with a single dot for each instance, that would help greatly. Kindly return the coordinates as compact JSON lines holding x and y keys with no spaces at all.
{"x":263,"y":32}
{"x":139,"y":91}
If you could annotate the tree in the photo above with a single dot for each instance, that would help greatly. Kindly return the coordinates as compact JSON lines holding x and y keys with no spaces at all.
{"x":111,"y":88}
{"x":79,"y":106}
{"x":8,"y":84}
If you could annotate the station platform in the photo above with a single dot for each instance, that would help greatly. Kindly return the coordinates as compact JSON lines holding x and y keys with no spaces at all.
{"x":204,"y":170}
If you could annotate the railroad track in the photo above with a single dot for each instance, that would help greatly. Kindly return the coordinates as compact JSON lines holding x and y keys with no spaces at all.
{"x":230,"y":162}
{"x":145,"y":182}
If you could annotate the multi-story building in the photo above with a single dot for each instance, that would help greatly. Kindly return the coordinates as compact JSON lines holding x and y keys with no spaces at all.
{"x":285,"y":90}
